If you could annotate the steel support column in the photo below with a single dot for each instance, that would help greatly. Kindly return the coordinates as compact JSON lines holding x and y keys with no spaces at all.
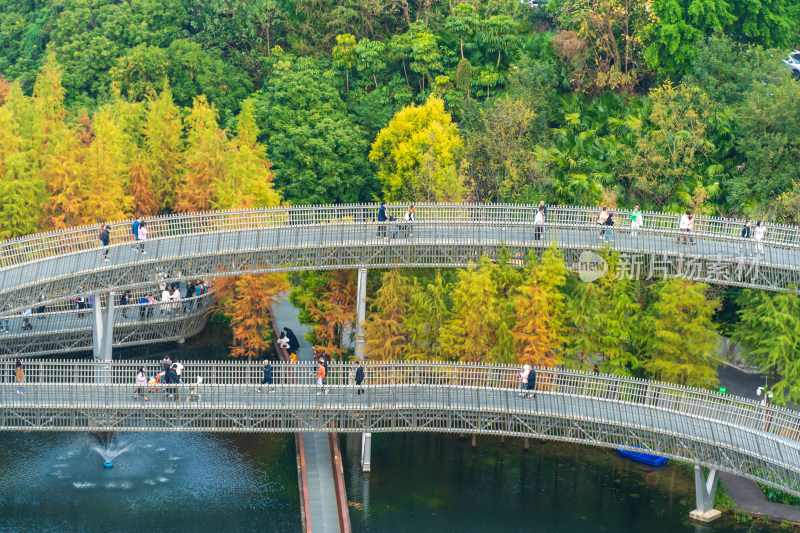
{"x":361,"y":312}
{"x":706,"y":491}
{"x":103,"y":328}
{"x":366,"y":452}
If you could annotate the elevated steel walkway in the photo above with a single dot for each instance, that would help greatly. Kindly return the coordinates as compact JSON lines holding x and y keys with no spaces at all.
{"x":207,"y":245}
{"x":70,"y":330}
{"x":719,"y":432}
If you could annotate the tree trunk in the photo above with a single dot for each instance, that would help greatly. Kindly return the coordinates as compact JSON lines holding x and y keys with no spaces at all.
{"x":498,"y":57}
{"x":406,"y":74}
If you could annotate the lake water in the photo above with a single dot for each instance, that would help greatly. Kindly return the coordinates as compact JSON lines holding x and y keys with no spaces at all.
{"x":426,"y":482}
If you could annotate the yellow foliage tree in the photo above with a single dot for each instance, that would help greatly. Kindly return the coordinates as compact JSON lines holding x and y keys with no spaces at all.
{"x":417,"y":155}
{"x":248,"y":182}
{"x":205,"y":166}
{"x":539,"y":330}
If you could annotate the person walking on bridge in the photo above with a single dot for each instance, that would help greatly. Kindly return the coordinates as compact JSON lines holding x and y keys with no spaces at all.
{"x":141,"y":385}
{"x":538,"y":223}
{"x":105,"y":241}
{"x":745,"y":239}
{"x":142,"y":233}
{"x":609,"y":223}
{"x":135,"y":231}
{"x":19,"y":376}
{"x":683,"y":229}
{"x":758,"y":233}
{"x":321,"y":374}
{"x":601,"y":220}
{"x":522,"y":377}
{"x":636,"y":221}
{"x":359,"y":377}
{"x":267,"y":379}
{"x":382,"y":220}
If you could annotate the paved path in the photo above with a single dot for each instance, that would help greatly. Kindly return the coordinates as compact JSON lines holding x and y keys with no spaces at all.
{"x":750,"y":499}
{"x":319,"y":468}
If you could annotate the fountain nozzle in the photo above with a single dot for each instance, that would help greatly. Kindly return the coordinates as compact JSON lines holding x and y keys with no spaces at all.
{"x":108,"y":464}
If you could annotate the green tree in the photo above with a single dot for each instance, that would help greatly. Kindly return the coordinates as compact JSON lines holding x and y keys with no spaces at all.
{"x":765,"y":136}
{"x":684,"y":339}
{"x":426,"y":58}
{"x":770,"y":330}
{"x":463,"y":23}
{"x":417,"y":154}
{"x":344,"y":54}
{"x":370,"y":58}
{"x":318,"y":152}
{"x":499,"y":34}
{"x":670,"y":161}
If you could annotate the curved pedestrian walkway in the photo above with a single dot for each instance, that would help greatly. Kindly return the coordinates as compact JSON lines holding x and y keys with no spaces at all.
{"x":70,"y":330}
{"x":716,"y":431}
{"x":207,"y":245}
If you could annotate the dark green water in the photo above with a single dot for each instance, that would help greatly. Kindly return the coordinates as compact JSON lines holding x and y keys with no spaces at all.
{"x":427,"y":482}
{"x":55,"y":482}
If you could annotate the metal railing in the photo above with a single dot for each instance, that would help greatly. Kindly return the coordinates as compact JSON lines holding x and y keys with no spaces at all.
{"x":45,"y":245}
{"x":733,"y":434}
{"x":281,"y":239}
{"x":66,"y":331}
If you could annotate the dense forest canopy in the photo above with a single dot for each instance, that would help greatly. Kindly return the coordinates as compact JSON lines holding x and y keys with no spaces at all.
{"x":110,"y":108}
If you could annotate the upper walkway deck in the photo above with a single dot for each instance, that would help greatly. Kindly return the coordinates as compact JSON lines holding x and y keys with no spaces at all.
{"x":225,"y":243}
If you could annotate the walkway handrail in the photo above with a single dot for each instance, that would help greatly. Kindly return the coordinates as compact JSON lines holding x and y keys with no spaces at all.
{"x":45,"y":245}
{"x":79,"y":319}
{"x":723,"y":409}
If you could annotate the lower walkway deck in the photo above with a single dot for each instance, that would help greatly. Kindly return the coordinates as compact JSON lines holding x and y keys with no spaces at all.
{"x":319,"y":481}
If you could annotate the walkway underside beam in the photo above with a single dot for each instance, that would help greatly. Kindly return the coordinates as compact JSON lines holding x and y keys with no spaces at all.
{"x":201,"y":417}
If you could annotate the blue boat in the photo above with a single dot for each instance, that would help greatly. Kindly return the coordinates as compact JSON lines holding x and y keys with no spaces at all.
{"x":646,"y":458}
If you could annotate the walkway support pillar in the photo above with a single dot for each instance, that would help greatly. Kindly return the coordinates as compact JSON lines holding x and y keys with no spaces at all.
{"x":366,"y":452}
{"x":361,"y":313}
{"x":706,"y":491}
{"x":103,"y":328}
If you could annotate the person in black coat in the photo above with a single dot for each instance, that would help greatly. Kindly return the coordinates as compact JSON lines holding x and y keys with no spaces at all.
{"x":173,"y":379}
{"x":531,"y":385}
{"x":294,"y":344}
{"x":105,"y":240}
{"x":267,"y":376}
{"x":359,"y":377}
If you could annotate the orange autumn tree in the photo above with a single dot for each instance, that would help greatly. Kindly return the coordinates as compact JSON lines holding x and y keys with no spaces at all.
{"x":539,"y":329}
{"x":248,"y":300}
{"x":387,"y":334}
{"x":332,"y":309}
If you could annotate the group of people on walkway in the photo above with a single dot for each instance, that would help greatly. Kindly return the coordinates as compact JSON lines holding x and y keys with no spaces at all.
{"x":405,"y":230}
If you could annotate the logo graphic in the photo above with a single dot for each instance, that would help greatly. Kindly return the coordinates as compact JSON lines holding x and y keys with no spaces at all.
{"x":591,"y":266}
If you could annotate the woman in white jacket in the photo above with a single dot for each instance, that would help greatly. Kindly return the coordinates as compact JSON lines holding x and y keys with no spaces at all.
{"x":758,"y":233}
{"x":141,"y":384}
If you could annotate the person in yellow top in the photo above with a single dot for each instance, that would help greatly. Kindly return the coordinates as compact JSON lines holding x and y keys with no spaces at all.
{"x":293,"y":358}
